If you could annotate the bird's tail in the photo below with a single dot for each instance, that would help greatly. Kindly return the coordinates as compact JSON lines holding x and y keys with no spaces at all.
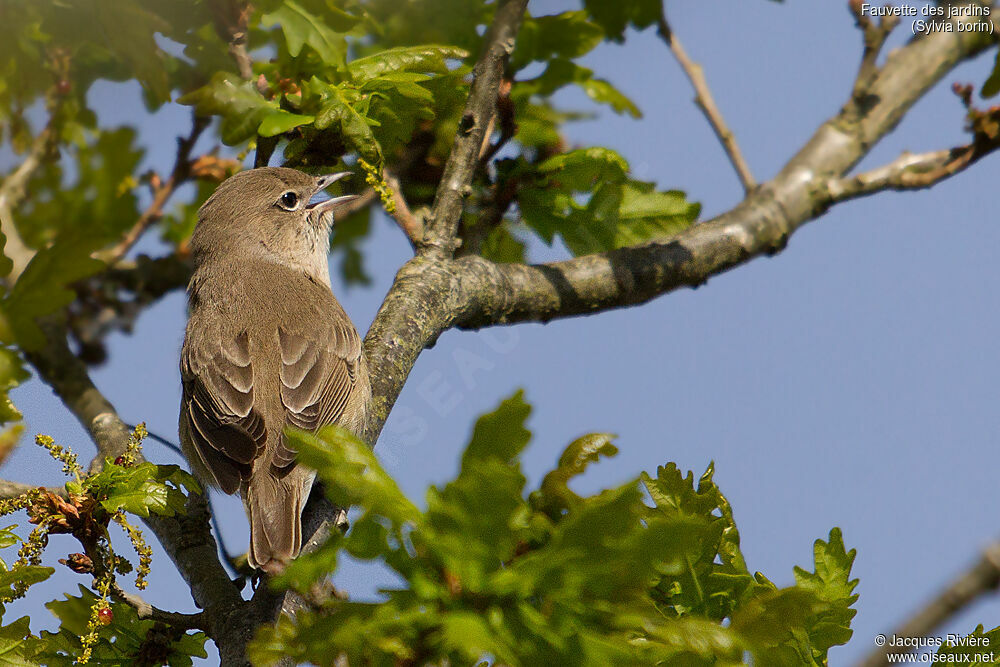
{"x":274,"y":507}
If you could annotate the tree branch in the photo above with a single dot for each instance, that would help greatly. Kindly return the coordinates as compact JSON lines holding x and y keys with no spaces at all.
{"x":162,"y":191}
{"x":431,"y":294}
{"x":11,"y":489}
{"x":412,"y":225}
{"x":907,"y":172}
{"x":761,"y":224}
{"x":703,"y":98}
{"x":983,"y":577}
{"x":11,"y":194}
{"x":439,"y":238}
{"x":231,"y":18}
{"x":874,"y":36}
{"x":146,"y":610}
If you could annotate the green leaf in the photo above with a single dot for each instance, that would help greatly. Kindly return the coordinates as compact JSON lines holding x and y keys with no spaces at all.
{"x":12,"y":373}
{"x":16,"y":649}
{"x":43,"y":288}
{"x":302,"y":27}
{"x":561,"y":72}
{"x":338,"y":112}
{"x":129,"y":30}
{"x":470,"y":521}
{"x":992,"y":84}
{"x":831,"y":583}
{"x":423,"y":58}
{"x":119,"y":643}
{"x":566,"y":35}
{"x":350,"y":472}
{"x":8,"y":537}
{"x":483,"y":572}
{"x":94,"y":207}
{"x":615,"y":16}
{"x":772,"y":626}
{"x":716,"y":581}
{"x":280,"y":122}
{"x":976,"y":648}
{"x":615,"y":211}
{"x":112,"y":39}
{"x":581,"y":169}
{"x":695,"y":641}
{"x":675,"y":495}
{"x":500,"y":434}
{"x":26,"y":575}
{"x":554,"y":496}
{"x":503,"y":247}
{"x":603,"y":92}
{"x":143,"y":489}
{"x":241,"y":106}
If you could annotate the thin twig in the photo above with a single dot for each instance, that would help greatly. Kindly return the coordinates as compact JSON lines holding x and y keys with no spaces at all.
{"x":874,"y":36}
{"x":11,"y":489}
{"x":238,"y":50}
{"x":439,"y":239}
{"x":983,"y":577}
{"x":162,"y":191}
{"x":910,"y":171}
{"x":505,"y":114}
{"x":412,"y":225}
{"x":703,"y":98}
{"x":146,"y":610}
{"x":907,"y":172}
{"x":490,"y":218}
{"x":231,"y":18}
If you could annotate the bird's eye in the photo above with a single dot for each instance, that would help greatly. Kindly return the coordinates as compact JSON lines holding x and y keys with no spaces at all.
{"x":289,"y":201}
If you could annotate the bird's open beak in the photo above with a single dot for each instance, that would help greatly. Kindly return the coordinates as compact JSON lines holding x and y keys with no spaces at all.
{"x":330,"y":204}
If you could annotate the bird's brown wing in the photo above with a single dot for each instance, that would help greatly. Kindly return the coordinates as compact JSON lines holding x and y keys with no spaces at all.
{"x":318,"y":374}
{"x":218,"y":404}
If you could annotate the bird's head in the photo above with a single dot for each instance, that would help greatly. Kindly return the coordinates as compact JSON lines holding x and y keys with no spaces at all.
{"x":268,"y":210}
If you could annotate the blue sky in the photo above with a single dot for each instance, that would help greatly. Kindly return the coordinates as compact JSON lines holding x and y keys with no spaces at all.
{"x":849,"y":381}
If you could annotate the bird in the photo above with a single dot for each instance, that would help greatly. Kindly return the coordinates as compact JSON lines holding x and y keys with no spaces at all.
{"x":267,"y":345}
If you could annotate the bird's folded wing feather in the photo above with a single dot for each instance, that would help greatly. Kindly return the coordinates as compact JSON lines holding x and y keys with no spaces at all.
{"x":218,"y":403}
{"x":318,"y":374}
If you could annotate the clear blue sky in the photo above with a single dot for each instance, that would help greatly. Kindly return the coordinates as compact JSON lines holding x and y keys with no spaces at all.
{"x":850,"y":381}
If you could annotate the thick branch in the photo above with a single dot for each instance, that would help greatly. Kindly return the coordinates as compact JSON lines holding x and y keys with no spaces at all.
{"x":439,"y":238}
{"x":703,"y":98}
{"x":149,"y":279}
{"x":431,"y":295}
{"x":983,"y":577}
{"x":761,"y":224}
{"x":60,"y":369}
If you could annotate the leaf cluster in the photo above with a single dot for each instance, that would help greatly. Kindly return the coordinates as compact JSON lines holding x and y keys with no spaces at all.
{"x":126,"y":639}
{"x":490,"y":569}
{"x":93,"y":628}
{"x":332,"y":81}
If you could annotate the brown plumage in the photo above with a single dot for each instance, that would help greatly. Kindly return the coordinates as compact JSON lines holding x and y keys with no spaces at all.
{"x":267,"y":345}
